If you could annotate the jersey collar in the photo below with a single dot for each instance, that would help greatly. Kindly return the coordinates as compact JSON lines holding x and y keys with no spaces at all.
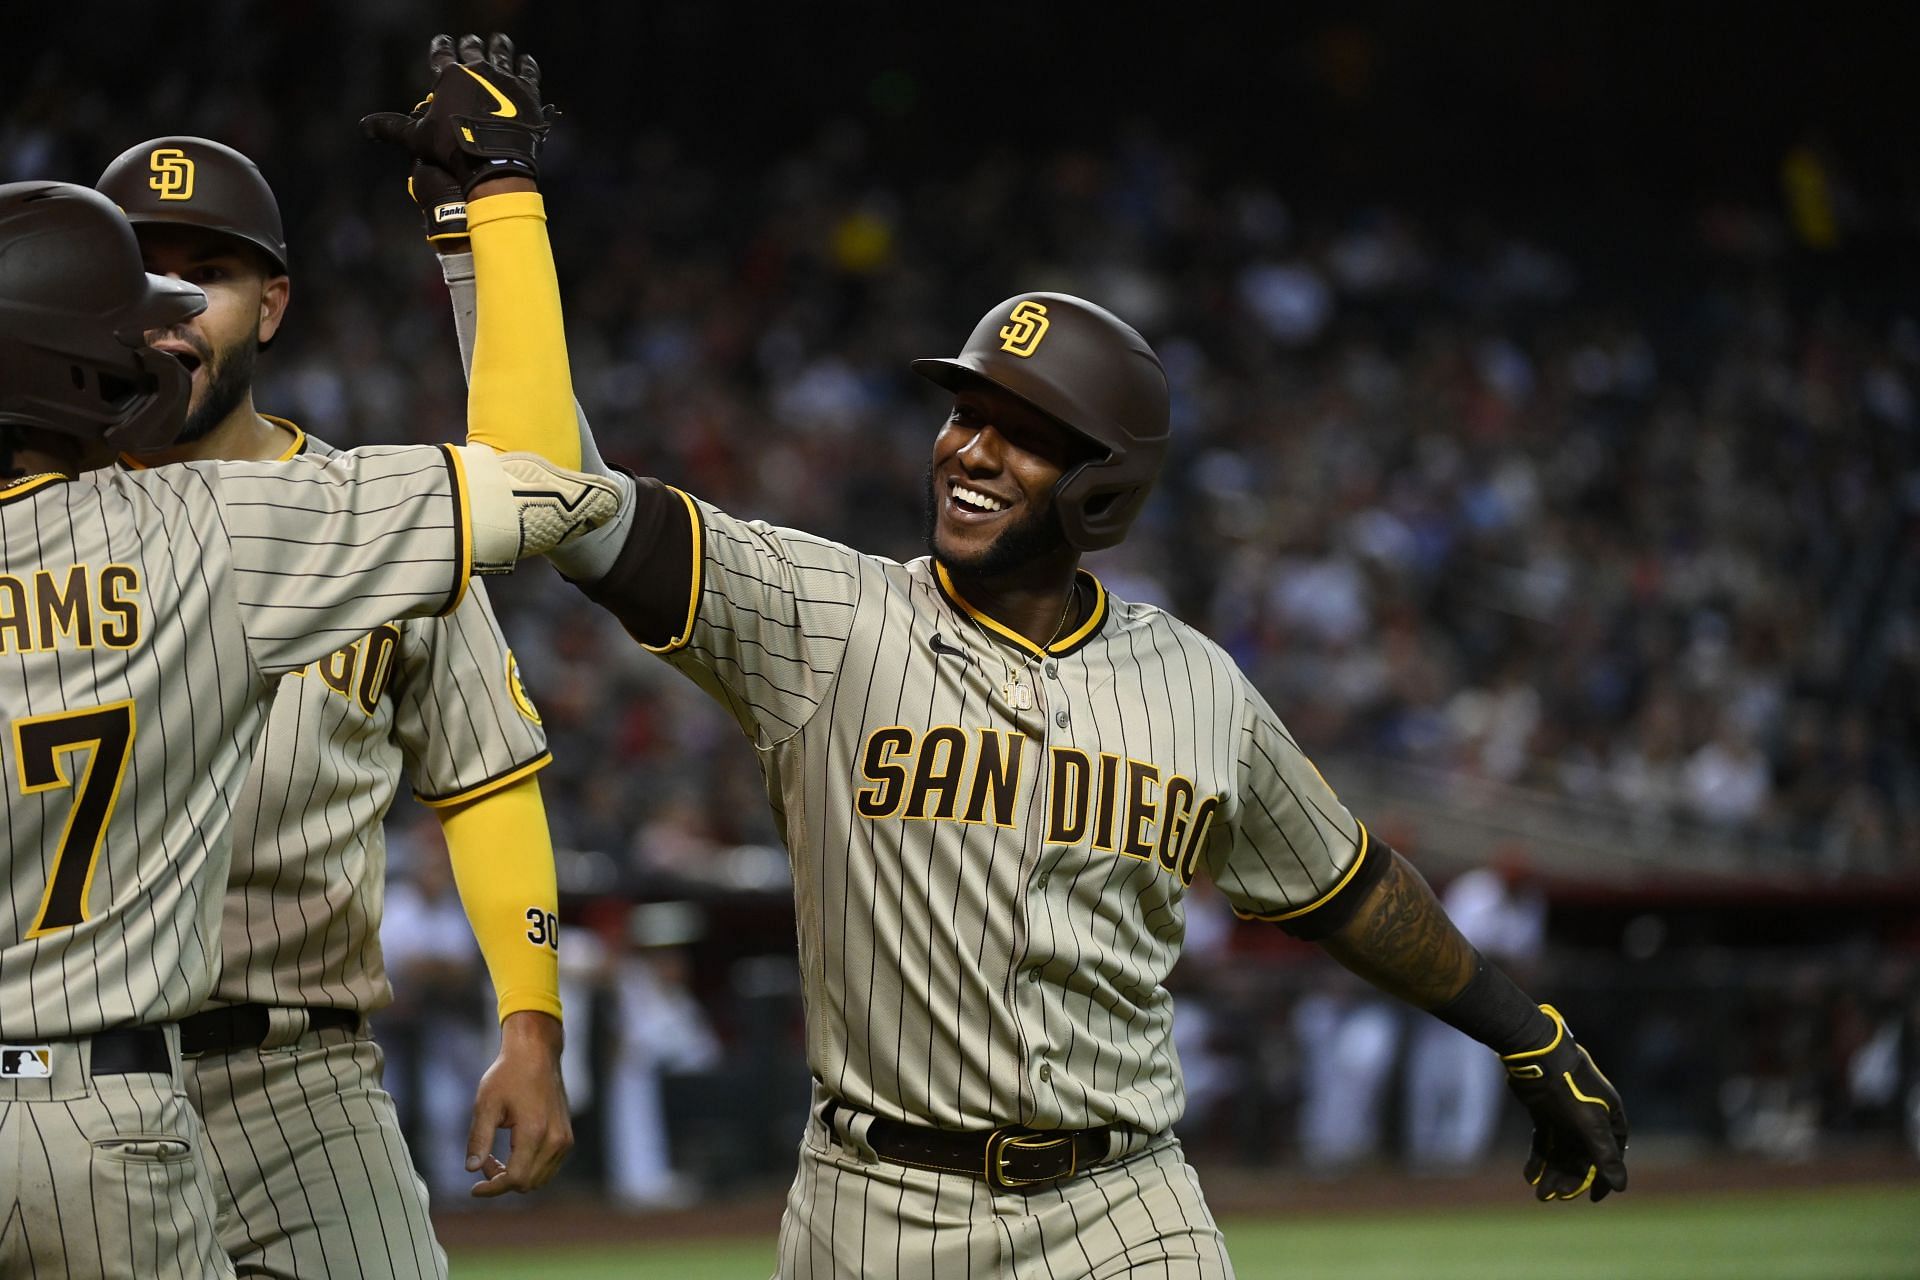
{"x":294,"y":450}
{"x":1069,"y":643}
{"x":31,"y":485}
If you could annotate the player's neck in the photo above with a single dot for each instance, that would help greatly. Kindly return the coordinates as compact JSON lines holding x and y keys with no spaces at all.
{"x":241,"y":436}
{"x":1038,"y":602}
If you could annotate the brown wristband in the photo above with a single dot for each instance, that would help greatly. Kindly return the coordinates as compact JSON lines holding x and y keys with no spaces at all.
{"x":1495,"y":1011}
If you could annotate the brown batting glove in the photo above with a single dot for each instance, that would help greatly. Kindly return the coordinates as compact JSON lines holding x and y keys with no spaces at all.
{"x":482,"y":117}
{"x":1579,"y":1126}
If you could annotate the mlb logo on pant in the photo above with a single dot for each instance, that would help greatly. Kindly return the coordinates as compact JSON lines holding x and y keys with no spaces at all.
{"x":25,"y":1061}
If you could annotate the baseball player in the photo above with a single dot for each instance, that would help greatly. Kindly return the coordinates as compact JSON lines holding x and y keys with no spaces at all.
{"x":996,"y":782}
{"x":437,"y":700}
{"x":144,"y":620}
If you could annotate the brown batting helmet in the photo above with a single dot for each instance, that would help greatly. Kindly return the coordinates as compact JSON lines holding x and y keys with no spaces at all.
{"x":75,"y":308}
{"x":1088,"y":370}
{"x":196,"y":182}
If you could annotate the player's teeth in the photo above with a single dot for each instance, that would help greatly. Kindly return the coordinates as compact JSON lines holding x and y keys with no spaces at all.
{"x":977,"y":499}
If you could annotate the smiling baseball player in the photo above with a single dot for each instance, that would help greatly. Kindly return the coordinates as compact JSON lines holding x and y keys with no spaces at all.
{"x":144,"y":620}
{"x":437,"y":701}
{"x":996,"y":782}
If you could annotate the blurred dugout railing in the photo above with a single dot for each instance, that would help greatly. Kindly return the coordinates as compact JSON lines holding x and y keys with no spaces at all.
{"x":1453,"y":821}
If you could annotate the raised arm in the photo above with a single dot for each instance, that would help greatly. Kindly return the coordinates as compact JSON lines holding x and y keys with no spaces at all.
{"x":482,"y":122}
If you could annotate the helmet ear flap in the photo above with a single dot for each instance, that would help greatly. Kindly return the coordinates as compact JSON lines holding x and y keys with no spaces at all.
{"x":1095,"y":507}
{"x":156,"y":405}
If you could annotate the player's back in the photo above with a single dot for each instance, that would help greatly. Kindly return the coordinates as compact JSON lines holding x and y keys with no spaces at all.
{"x":143,"y":620}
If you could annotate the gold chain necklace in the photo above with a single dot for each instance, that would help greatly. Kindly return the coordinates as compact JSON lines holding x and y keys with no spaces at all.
{"x":1015,"y":692}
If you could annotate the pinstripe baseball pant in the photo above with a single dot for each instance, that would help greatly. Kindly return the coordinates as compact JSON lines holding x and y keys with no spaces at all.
{"x":100,"y":1176}
{"x":849,"y":1214}
{"x":309,"y":1167}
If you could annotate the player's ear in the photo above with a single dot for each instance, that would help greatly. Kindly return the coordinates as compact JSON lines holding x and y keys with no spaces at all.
{"x":273,"y":306}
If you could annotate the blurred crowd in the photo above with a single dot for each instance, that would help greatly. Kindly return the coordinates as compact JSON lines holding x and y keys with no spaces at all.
{"x":1616,"y":508}
{"x":1448,"y":498}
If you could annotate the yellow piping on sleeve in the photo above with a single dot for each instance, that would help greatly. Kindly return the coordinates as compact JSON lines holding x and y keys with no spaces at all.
{"x":463,"y":532}
{"x":1326,"y":897}
{"x":502,"y":858}
{"x":521,"y":395}
{"x":479,"y":789}
{"x":693,"y":592}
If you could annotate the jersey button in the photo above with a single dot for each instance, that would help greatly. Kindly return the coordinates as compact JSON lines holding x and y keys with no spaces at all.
{"x":1060,"y":718}
{"x":1033,"y":975}
{"x":1046,"y":1071}
{"x":1041,"y":883}
{"x":1053,"y":670}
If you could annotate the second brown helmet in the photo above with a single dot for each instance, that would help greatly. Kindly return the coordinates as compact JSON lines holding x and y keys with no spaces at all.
{"x":196,"y":182}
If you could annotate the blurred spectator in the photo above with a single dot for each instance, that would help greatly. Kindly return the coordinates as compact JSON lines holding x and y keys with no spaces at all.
{"x":1454,"y":1088}
{"x":1347,"y":1037}
{"x":444,"y":1038}
{"x":662,"y":1029}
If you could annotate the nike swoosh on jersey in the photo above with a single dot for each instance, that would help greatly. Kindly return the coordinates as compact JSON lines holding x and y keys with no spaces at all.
{"x":507,"y":110}
{"x":946,"y":650}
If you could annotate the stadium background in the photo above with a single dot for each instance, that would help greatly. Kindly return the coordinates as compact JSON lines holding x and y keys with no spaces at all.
{"x":1547,"y":448}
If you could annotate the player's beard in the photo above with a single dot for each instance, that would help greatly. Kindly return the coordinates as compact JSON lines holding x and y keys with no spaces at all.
{"x":229,"y":379}
{"x":1034,"y":536}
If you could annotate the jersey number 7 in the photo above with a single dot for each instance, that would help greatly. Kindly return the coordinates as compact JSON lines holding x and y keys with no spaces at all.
{"x":40,"y":747}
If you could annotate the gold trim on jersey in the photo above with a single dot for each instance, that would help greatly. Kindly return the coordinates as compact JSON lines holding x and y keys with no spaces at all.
{"x":1059,"y":648}
{"x":299,"y":445}
{"x":463,"y":529}
{"x":693,"y":592}
{"x":292,"y":451}
{"x":32,"y":484}
{"x":488,"y":785}
{"x":1359,"y":860}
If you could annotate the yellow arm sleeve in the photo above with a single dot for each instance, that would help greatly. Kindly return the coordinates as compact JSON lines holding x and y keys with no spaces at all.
{"x":521,"y":396}
{"x":503,"y":866}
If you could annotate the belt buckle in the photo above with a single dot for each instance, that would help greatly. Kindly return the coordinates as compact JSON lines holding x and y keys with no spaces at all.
{"x":1024,"y":1140}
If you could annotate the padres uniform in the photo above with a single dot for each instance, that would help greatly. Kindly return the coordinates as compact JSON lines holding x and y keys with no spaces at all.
{"x":144,"y":618}
{"x":990,"y":844}
{"x":311,"y":1172}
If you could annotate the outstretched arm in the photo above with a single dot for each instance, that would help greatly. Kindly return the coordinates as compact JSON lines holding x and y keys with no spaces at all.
{"x":589,"y":558}
{"x":1400,"y":939}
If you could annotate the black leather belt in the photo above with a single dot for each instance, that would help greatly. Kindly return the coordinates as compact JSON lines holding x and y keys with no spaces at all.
{"x":1010,"y":1158}
{"x":245,"y":1026}
{"x":130,"y":1051}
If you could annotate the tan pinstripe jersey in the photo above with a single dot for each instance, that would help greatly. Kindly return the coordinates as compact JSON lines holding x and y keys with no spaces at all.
{"x":436,"y":700}
{"x":990,"y":897}
{"x":145,"y":618}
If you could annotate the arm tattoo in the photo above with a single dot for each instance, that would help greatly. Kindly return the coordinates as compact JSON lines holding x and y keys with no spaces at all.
{"x":1401,"y":941}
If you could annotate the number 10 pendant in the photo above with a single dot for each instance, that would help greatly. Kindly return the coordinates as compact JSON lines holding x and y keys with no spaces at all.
{"x":1017,"y":695}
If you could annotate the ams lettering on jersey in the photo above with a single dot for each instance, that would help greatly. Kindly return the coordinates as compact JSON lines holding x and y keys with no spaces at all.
{"x":361,"y":671}
{"x":1132,"y":808}
{"x":76,"y":608}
